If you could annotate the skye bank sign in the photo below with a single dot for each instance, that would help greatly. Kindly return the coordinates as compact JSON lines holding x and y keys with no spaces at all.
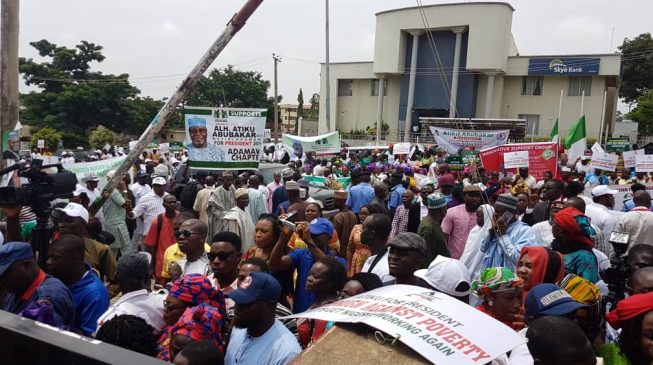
{"x":563,"y":66}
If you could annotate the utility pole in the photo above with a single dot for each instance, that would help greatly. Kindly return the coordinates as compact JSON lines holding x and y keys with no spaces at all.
{"x":9,"y":66}
{"x":276,"y":59}
{"x":328,"y":73}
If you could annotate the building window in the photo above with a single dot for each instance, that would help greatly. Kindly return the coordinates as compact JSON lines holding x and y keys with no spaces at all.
{"x":374,"y":91}
{"x":532,"y":85}
{"x":532,"y":123}
{"x":578,"y":84}
{"x":344,"y":87}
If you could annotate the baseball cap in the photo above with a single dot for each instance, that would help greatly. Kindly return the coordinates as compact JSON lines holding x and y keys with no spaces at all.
{"x":320,"y":226}
{"x":601,"y":190}
{"x":91,"y":176}
{"x":141,"y":174}
{"x":12,"y":252}
{"x":258,"y":286}
{"x":292,"y":186}
{"x":549,"y":300}
{"x":74,"y":210}
{"x":409,"y":241}
{"x":79,"y":190}
{"x":446,"y":275}
{"x":159,"y":181}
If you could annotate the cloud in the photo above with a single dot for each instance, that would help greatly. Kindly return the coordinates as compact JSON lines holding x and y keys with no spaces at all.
{"x":171,"y":29}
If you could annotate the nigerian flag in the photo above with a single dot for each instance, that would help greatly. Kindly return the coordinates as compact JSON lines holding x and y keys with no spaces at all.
{"x":554,"y":132}
{"x":575,"y":141}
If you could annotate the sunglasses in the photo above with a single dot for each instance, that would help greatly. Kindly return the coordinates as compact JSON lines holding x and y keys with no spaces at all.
{"x":223,"y":256}
{"x":185,"y":233}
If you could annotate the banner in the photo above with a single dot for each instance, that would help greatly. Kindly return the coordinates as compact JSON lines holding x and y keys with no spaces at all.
{"x":456,"y":163}
{"x":455,"y":139}
{"x":604,"y":161}
{"x":644,"y":163}
{"x":440,"y":328}
{"x":99,"y":168}
{"x":617,"y":144}
{"x":224,"y":139}
{"x":515,"y":159}
{"x":542,"y":157}
{"x":323,"y":144}
{"x":401,"y":148}
{"x":629,"y":157}
{"x":320,"y":181}
{"x":625,"y":193}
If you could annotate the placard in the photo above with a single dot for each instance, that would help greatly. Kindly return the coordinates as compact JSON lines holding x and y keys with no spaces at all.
{"x":543,"y":156}
{"x":437,"y":326}
{"x":629,"y":157}
{"x":297,"y":146}
{"x":604,"y":161}
{"x":596,"y":148}
{"x":401,"y":148}
{"x":164,"y":148}
{"x":40,"y":143}
{"x":644,"y":163}
{"x":268,"y":134}
{"x":617,"y":144}
{"x":515,"y":159}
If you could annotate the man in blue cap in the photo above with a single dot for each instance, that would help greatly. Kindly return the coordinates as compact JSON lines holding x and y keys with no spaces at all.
{"x":317,"y":236}
{"x":257,"y":336}
{"x":29,"y":288}
{"x":198,"y":148}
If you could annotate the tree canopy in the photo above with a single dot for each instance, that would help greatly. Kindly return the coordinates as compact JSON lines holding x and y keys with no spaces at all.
{"x":643,"y":114}
{"x":637,"y":62}
{"x":100,"y":137}
{"x":231,"y":88}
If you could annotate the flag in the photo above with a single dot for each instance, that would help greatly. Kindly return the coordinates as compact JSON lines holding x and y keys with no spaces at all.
{"x":576,"y":140}
{"x":554,"y":132}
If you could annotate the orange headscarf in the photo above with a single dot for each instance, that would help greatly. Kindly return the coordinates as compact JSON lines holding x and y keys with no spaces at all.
{"x":576,"y":225}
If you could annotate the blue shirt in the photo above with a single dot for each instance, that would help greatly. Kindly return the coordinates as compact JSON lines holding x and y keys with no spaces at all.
{"x":359,"y":196}
{"x":91,"y":301}
{"x":285,"y":205}
{"x":302,"y":260}
{"x":277,"y":346}
{"x":395,"y":196}
{"x":279,"y":196}
{"x":505,"y":250}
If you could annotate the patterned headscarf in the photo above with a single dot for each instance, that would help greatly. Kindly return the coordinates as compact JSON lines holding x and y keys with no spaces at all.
{"x":520,"y":188}
{"x":496,"y":280}
{"x":202,"y":322}
{"x":197,"y":289}
{"x":576,"y":225}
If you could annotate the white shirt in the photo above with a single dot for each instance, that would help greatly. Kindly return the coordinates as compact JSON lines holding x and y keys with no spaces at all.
{"x":606,"y":222}
{"x":639,"y":223}
{"x":92,"y":195}
{"x":530,"y":182}
{"x":140,"y":303}
{"x":199,"y":266}
{"x":381,"y":269}
{"x":149,"y":206}
{"x":544,"y":231}
{"x":520,"y":354}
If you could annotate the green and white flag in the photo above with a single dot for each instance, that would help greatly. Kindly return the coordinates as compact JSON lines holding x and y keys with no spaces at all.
{"x":576,"y":140}
{"x":554,"y":132}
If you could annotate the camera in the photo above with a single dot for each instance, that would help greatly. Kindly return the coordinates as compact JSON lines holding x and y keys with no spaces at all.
{"x":42,"y":187}
{"x":615,"y":276}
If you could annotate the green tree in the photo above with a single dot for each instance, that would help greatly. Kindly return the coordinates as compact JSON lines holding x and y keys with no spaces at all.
{"x":637,"y":64}
{"x":315,"y":107}
{"x":50,"y":135}
{"x":643,"y":114}
{"x":101,"y":136}
{"x":231,"y":87}
{"x":71,"y":98}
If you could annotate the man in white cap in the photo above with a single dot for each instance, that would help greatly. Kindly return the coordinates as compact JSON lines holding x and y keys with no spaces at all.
{"x":150,"y":205}
{"x":599,"y":211}
{"x":448,"y":276}
{"x":92,"y":191}
{"x":115,"y":212}
{"x":238,"y":221}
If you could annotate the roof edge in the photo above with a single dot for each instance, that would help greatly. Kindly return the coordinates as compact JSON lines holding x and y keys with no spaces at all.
{"x":448,"y":4}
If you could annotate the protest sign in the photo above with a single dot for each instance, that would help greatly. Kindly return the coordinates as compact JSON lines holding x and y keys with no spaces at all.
{"x":617,"y":144}
{"x":323,"y":144}
{"x":515,"y":159}
{"x":401,"y":148}
{"x":455,"y":139}
{"x":456,"y":163}
{"x":164,"y":148}
{"x":267,"y":135}
{"x":321,"y":181}
{"x":437,"y":326}
{"x":227,"y":138}
{"x":629,"y":157}
{"x":604,"y":161}
{"x":40,"y":143}
{"x":542,"y":157}
{"x":596,"y":148}
{"x":644,"y":163}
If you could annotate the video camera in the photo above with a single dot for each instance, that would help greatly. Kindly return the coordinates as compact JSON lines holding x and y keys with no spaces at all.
{"x":618,"y":273}
{"x":42,"y":187}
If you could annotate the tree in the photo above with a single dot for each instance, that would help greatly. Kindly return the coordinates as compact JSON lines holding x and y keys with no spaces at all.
{"x":643,"y":114}
{"x":100,"y":137}
{"x":231,"y":87}
{"x":49,"y":135}
{"x":315,"y":106}
{"x":72,"y":98}
{"x":637,"y":64}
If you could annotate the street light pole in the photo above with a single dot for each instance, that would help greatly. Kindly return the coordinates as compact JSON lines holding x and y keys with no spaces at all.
{"x":328,"y":73}
{"x":276,"y":59}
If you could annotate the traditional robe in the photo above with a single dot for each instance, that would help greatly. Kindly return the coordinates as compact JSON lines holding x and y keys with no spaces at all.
{"x":240,"y":223}
{"x":220,"y":202}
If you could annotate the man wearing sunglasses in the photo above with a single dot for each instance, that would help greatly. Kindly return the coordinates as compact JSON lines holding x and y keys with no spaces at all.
{"x":191,"y":237}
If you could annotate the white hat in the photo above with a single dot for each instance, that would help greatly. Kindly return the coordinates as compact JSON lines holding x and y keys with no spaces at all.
{"x":111,"y":173}
{"x":79,"y":190}
{"x":601,"y":190}
{"x":75,"y":210}
{"x":445,"y":275}
{"x":90,"y":176}
{"x":240,"y":192}
{"x":159,"y":181}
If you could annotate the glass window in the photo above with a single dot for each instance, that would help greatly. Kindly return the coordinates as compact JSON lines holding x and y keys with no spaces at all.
{"x":578,"y":84}
{"x":344,"y":87}
{"x":532,"y":85}
{"x":532,"y":123}
{"x":374,"y":91}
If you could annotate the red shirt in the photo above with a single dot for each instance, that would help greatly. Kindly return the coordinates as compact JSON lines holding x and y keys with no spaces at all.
{"x":161,"y":239}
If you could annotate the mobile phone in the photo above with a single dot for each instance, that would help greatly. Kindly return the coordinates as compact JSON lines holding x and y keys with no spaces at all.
{"x":288,"y":224}
{"x":290,"y":217}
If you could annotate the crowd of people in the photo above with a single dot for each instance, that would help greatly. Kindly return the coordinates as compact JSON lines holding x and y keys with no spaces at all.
{"x":199,"y":268}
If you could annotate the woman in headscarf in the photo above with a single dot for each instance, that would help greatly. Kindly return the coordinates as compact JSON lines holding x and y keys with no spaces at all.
{"x":501,"y":291}
{"x":357,"y":251}
{"x":634,"y":316}
{"x":538,"y":265}
{"x":573,"y":234}
{"x":186,"y":292}
{"x":472,"y":256}
{"x":200,"y":323}
{"x":313,"y":211}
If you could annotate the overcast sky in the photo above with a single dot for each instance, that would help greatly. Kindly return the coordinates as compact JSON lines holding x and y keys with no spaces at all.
{"x":158,"y":41}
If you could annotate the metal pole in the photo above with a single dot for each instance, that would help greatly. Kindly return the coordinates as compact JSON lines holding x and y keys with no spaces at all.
{"x":276,"y":100}
{"x":560,"y":107}
{"x":328,"y":72}
{"x":411,"y":87}
{"x":379,"y":110}
{"x":582,"y":104}
{"x":234,"y":25}
{"x":603,"y":125}
{"x":9,"y":102}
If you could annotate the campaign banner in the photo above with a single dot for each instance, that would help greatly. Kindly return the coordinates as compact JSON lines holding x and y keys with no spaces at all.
{"x":629,"y":157}
{"x":402,"y":148}
{"x":604,"y":161}
{"x":644,"y":163}
{"x":296,"y":146}
{"x":542,"y":157}
{"x":321,"y":182}
{"x":455,"y":139}
{"x":99,"y":168}
{"x":435,"y":325}
{"x":516,"y":159}
{"x":224,"y":139}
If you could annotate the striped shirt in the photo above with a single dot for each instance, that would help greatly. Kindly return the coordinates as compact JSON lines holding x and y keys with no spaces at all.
{"x":149,"y":206}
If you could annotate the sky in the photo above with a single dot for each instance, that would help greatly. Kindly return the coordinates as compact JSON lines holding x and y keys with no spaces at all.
{"x":157,"y":42}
